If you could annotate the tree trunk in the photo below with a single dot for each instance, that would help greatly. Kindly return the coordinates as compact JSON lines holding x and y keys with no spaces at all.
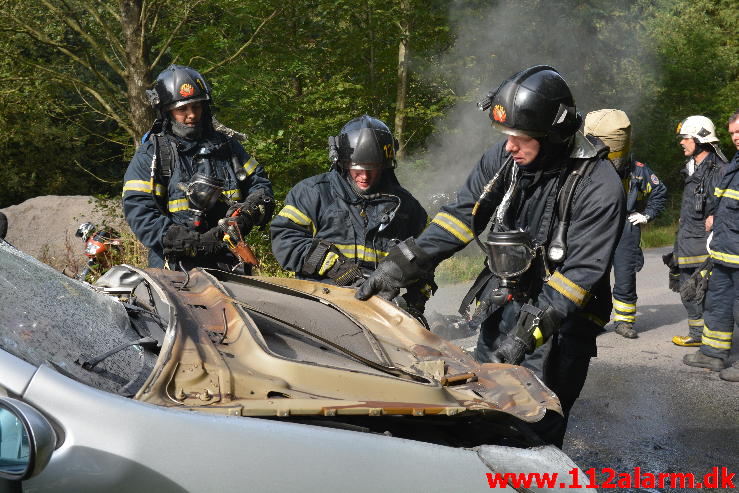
{"x":403,"y":61}
{"x":137,"y":74}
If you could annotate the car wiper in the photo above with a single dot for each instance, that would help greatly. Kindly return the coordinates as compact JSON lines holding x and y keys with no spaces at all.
{"x":390,"y":370}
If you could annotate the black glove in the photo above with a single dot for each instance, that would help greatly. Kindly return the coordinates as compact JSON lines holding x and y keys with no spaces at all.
{"x":673,"y":277}
{"x":405,"y":264}
{"x":179,"y":241}
{"x":325,"y":260}
{"x":694,"y":289}
{"x":256,"y":210}
{"x":525,"y":337}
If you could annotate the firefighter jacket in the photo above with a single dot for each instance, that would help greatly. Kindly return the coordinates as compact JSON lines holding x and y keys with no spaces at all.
{"x":581,"y":281}
{"x":363,"y":228}
{"x":697,"y":204}
{"x":725,"y":242}
{"x":151,"y":206}
{"x":645,"y":193}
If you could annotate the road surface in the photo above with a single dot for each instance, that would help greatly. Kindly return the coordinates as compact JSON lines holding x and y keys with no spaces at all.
{"x":641,"y":406}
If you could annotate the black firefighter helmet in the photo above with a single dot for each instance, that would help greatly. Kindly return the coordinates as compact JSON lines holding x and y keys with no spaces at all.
{"x":535,"y":102}
{"x":363,"y":143}
{"x":176,"y":86}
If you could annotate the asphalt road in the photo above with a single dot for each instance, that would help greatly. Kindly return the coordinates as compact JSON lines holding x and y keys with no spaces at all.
{"x":641,"y":406}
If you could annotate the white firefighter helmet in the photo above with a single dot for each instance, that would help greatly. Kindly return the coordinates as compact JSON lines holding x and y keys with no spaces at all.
{"x":699,"y":128}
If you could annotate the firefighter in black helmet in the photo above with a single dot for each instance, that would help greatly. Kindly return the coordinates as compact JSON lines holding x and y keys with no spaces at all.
{"x":335,"y":227}
{"x":555,"y":207}
{"x":186,"y":175}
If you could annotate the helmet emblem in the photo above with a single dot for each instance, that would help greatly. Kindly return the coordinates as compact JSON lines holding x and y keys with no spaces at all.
{"x":499,"y":114}
{"x":679,"y":126}
{"x":186,"y":90}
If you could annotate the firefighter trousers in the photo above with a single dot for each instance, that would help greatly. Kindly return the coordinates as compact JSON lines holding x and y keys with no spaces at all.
{"x":722,"y":311}
{"x":695,"y":310}
{"x":628,"y":259}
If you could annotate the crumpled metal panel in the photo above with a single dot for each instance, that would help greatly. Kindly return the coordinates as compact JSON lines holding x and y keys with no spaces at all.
{"x":244,"y":346}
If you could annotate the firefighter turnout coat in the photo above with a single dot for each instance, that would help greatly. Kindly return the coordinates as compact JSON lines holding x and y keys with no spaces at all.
{"x":362,"y":227}
{"x":152,"y":204}
{"x":725,"y":242}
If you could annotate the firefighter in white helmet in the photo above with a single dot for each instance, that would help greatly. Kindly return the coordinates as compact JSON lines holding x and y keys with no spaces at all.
{"x":704,"y":168}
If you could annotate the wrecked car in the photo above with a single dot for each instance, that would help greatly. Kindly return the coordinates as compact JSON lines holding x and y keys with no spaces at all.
{"x":156,"y":380}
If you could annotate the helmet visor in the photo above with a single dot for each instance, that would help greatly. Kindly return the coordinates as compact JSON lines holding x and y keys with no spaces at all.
{"x":178,"y":104}
{"x":365,"y":166}
{"x":515,"y":132}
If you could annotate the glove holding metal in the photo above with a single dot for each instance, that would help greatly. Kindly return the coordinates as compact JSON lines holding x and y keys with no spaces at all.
{"x":404,"y":264}
{"x":534,"y":328}
{"x":637,"y":218}
{"x":324,"y":260}
{"x":674,"y":275}
{"x":180,"y":241}
{"x":256,"y":210}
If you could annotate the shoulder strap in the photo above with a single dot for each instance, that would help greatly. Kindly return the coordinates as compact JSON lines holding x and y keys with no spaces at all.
{"x":165,"y":157}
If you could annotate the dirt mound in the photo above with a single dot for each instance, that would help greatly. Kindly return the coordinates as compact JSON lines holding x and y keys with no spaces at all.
{"x":44,"y":226}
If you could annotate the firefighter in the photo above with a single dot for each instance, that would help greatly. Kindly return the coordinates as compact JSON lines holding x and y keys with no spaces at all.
{"x":645,"y":199}
{"x":703,"y":171}
{"x":722,"y":299}
{"x":555,"y":207}
{"x":336,"y":226}
{"x":186,"y":176}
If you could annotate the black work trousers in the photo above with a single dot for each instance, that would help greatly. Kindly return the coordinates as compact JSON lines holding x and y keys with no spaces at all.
{"x":695,"y":310}
{"x":722,"y":311}
{"x":628,"y":259}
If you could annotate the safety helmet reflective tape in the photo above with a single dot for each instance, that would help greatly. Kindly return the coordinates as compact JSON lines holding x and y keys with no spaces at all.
{"x":363,"y":142}
{"x":535,"y":102}
{"x":699,"y":128}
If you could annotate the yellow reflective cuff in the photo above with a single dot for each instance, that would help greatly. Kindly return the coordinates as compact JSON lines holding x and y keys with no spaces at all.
{"x":361,"y":252}
{"x":568,"y":289}
{"x":177,"y":205}
{"x":624,"y":307}
{"x":624,"y":318}
{"x":454,"y":226}
{"x":142,"y":186}
{"x":297,"y":217}
{"x":696,"y":323}
{"x":726,"y":192}
{"x":716,"y":334}
{"x":692,"y":260}
{"x":538,"y":337}
{"x":250,"y":166}
{"x":233,"y":194}
{"x":725,"y":257}
{"x":328,"y":262}
{"x":715,"y":344}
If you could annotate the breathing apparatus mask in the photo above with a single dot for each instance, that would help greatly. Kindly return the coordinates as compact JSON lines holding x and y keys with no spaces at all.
{"x":202,"y":192}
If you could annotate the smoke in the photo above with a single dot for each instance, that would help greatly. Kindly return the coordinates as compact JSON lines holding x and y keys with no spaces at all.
{"x":596,"y":48}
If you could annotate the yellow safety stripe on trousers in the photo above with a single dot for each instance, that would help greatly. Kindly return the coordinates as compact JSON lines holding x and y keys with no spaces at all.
{"x":624,"y":318}
{"x":361,"y":252}
{"x":692,"y":260}
{"x":177,"y":205}
{"x":624,"y":307}
{"x":715,"y":343}
{"x":725,"y":257}
{"x":726,"y":192}
{"x":454,"y":226}
{"x":698,"y":322}
{"x":717,"y":334}
{"x":328,"y":262}
{"x":538,"y":337}
{"x":142,"y":186}
{"x":250,"y":166}
{"x":294,"y":214}
{"x":568,"y":289}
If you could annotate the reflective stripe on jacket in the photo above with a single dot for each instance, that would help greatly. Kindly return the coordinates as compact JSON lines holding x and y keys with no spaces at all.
{"x":725,"y":242}
{"x":325,"y":207}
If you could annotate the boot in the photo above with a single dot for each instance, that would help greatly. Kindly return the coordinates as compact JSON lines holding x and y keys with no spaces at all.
{"x":702,"y":361}
{"x":626,"y":330}
{"x":686,"y":341}
{"x":730,"y":374}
